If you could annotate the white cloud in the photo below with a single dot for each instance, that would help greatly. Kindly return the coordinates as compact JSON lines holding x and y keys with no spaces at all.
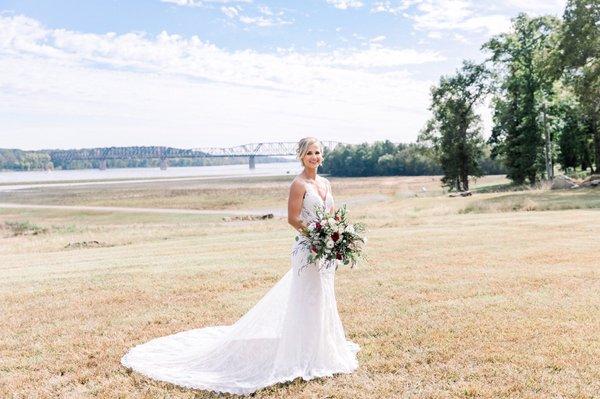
{"x":443,"y":14}
{"x":231,"y":12}
{"x":263,"y":21}
{"x":200,"y":3}
{"x":345,"y":4}
{"x":392,"y":8}
{"x":65,"y":88}
{"x":460,"y":38}
{"x":266,"y":19}
{"x":189,"y":3}
{"x":492,"y":24}
{"x":378,"y":39}
{"x":485,"y":18}
{"x":538,"y":7}
{"x":434,"y":35}
{"x":265,"y":10}
{"x":359,"y":37}
{"x":458,"y":15}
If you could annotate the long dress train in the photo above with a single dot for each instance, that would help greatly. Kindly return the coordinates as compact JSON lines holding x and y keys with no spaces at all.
{"x":293,"y":331}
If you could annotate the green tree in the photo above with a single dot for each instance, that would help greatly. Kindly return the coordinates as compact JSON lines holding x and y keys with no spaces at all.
{"x":526,"y":69}
{"x":580,"y":48}
{"x":382,"y":158}
{"x":575,"y":146}
{"x":454,"y":132}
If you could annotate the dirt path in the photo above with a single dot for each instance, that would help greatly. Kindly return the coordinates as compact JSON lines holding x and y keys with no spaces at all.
{"x":279,"y":212}
{"x":131,"y":210}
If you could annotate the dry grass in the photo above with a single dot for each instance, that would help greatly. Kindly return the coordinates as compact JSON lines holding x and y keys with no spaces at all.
{"x":223,"y":194}
{"x":451,"y":304}
{"x":537,"y":200}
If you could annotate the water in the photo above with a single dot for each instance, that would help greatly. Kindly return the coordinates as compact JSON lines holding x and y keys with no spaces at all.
{"x":262,"y":169}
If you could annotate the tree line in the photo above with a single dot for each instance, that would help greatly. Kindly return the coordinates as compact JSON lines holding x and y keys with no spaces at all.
{"x":543,"y":78}
{"x":14,"y":159}
{"x":384,"y":158}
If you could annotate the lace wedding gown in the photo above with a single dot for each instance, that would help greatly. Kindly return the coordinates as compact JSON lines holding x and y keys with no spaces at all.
{"x":293,"y":331}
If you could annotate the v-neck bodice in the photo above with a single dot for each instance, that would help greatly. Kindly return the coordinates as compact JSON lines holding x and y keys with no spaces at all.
{"x":319,"y":194}
{"x":312,"y":200}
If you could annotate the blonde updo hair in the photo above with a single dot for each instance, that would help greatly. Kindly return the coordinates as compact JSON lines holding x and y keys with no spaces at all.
{"x":303,"y":146}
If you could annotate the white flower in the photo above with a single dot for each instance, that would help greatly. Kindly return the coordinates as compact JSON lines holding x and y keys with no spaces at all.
{"x":349,"y":229}
{"x":329,"y":244}
{"x":331,"y":222}
{"x":312,"y":226}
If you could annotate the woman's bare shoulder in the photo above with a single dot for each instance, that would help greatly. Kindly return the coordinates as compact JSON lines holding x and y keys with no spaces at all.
{"x":298,"y":184}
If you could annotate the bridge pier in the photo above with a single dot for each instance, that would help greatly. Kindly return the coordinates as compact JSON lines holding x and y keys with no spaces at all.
{"x":251,"y":162}
{"x":163,"y":164}
{"x":103,"y":164}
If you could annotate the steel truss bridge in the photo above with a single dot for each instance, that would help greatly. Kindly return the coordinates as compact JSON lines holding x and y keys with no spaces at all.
{"x":250,"y":151}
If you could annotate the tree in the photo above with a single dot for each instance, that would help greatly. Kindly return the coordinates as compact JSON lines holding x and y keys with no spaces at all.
{"x":525,"y":61}
{"x":454,"y":131}
{"x":574,"y":141}
{"x":580,"y":48}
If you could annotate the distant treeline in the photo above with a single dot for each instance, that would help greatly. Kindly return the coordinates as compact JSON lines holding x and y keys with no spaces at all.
{"x":384,"y":158}
{"x":24,"y":160}
{"x":155,"y":163}
{"x":13,"y":159}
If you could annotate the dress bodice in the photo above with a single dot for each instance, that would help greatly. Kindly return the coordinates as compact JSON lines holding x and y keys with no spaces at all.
{"x":312,"y":200}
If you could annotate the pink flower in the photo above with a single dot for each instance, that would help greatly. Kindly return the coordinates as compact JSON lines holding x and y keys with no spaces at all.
{"x":335,"y":236}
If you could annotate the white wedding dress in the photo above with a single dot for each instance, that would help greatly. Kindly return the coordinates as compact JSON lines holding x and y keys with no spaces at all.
{"x":293,"y":331}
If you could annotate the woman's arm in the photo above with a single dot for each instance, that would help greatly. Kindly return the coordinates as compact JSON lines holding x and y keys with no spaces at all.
{"x":297,"y":191}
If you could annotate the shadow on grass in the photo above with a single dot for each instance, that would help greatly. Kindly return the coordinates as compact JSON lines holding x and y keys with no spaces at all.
{"x":501,"y":188}
{"x":534,"y":200}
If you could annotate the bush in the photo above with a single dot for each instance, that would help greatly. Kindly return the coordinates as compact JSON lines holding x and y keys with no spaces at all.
{"x":24,"y":228}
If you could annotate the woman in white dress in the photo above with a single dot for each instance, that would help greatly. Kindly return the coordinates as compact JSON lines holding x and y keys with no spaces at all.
{"x":293,"y":331}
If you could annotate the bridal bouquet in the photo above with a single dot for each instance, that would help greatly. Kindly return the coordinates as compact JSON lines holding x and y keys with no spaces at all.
{"x":332,"y":237}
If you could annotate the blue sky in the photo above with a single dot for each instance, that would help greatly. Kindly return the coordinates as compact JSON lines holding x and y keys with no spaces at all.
{"x":194,"y":73}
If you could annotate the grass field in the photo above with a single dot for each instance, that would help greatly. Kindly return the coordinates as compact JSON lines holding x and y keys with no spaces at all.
{"x":494,"y":295}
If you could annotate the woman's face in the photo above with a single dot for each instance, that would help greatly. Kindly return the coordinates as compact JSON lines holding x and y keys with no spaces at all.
{"x":313,"y":157}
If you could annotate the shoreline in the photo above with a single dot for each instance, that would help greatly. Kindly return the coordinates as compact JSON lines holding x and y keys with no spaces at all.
{"x":86,"y":182}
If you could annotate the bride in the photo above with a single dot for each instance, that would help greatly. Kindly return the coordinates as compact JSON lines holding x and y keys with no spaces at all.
{"x":293,"y":331}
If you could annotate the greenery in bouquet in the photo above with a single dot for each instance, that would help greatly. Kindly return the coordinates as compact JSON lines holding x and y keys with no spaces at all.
{"x":331,"y":238}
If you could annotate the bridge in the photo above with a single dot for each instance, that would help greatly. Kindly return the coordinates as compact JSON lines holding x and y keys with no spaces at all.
{"x":250,"y":151}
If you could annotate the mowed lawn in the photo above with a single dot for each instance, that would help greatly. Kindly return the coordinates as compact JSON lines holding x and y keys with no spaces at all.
{"x":460,"y":297}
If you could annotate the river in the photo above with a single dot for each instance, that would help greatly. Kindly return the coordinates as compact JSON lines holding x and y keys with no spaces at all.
{"x":262,"y":169}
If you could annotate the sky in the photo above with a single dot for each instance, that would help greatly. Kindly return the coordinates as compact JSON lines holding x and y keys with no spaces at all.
{"x":199,"y":73}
